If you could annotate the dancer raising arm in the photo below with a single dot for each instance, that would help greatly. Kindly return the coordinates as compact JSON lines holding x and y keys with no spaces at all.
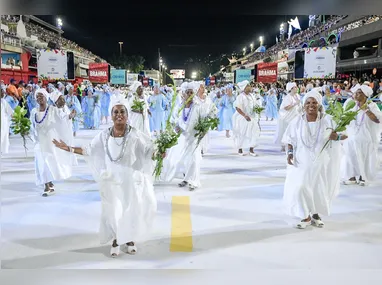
{"x":120,"y":158}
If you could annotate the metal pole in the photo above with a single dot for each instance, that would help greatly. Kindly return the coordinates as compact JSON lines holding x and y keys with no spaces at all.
{"x":160,"y":67}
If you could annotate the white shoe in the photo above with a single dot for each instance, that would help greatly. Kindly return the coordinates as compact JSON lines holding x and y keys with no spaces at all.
{"x":303,"y":225}
{"x":191,"y":187}
{"x":114,"y":251}
{"x":349,"y":182}
{"x":317,"y":223}
{"x":131,"y":249}
{"x":362,"y":183}
{"x":253,"y":154}
{"x":241,"y":153}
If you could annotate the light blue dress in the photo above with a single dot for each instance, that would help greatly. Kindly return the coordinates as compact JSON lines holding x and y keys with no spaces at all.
{"x":91,"y":108}
{"x":105,"y":104}
{"x":228,"y":111}
{"x":168,"y":105}
{"x":271,"y":110}
{"x":219,"y":105}
{"x":13,"y":102}
{"x":74,"y":104}
{"x":157,"y":105}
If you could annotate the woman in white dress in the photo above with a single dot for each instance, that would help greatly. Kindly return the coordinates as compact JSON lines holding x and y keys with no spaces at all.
{"x":48,"y":123}
{"x":120,"y":159}
{"x":245,"y":126}
{"x":139,"y":120}
{"x":290,"y":108}
{"x":6,"y":116}
{"x":185,"y":157}
{"x":313,"y":178}
{"x":361,"y":159}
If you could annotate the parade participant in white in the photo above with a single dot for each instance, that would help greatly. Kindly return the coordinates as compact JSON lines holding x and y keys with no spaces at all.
{"x":185,"y":157}
{"x":139,"y":120}
{"x":245,"y":127}
{"x":312,"y":179}
{"x":120,"y":158}
{"x":290,"y":108}
{"x":48,"y":123}
{"x":361,"y":149}
{"x":207,"y":107}
{"x":6,"y":114}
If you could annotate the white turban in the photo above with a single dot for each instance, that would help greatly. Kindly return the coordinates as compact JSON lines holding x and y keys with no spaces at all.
{"x":187,"y":86}
{"x":135,"y":85}
{"x":290,"y":85}
{"x":355,"y":88}
{"x":55,"y":95}
{"x":69,"y":86}
{"x":243,"y":84}
{"x":120,"y":102}
{"x":43,"y":92}
{"x":313,"y":94}
{"x":366,"y":90}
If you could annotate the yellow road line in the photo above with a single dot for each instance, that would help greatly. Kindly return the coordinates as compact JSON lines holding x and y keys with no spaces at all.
{"x":181,"y":228}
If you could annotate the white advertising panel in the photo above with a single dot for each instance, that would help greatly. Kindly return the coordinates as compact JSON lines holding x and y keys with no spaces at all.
{"x":52,"y":64}
{"x":131,"y":77}
{"x":320,"y":62}
{"x":178,"y":73}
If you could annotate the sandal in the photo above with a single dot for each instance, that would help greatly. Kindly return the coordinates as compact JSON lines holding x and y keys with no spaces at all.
{"x":183,"y":183}
{"x":191,"y":187}
{"x":114,"y":251}
{"x":316,"y":221}
{"x":304,"y":223}
{"x":131,"y":248}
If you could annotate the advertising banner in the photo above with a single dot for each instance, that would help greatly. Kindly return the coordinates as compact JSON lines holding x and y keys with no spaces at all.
{"x":178,"y":73}
{"x":118,"y":76}
{"x":229,"y":76}
{"x":243,"y":74}
{"x":52,"y":64}
{"x":267,"y":72}
{"x":320,"y":62}
{"x":131,"y":77}
{"x":98,"y":72}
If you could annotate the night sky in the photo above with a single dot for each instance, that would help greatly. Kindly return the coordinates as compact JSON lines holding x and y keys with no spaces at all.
{"x":178,"y":38}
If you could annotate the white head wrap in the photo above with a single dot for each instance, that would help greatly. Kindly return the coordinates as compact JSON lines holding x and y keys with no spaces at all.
{"x":355,"y":88}
{"x":69,"y":86}
{"x":43,"y":92}
{"x":55,"y":95}
{"x":135,"y":85}
{"x":120,"y":102}
{"x":367,"y":83}
{"x":309,"y":87}
{"x":187,"y":86}
{"x":243,"y":84}
{"x":366,"y":90}
{"x":313,"y":94}
{"x":290,"y":85}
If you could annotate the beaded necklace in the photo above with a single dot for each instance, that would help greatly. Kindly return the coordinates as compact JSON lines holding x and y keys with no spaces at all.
{"x":185,"y":117}
{"x":43,"y":118}
{"x":123,"y":144}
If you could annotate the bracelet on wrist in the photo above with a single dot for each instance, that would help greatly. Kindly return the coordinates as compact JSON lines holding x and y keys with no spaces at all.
{"x":290,"y":151}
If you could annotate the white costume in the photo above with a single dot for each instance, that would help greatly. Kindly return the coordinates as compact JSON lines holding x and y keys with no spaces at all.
{"x":51,"y":163}
{"x":314,"y":180}
{"x":361,"y":148}
{"x":126,"y":186}
{"x":286,"y":116}
{"x":6,"y":114}
{"x":245,"y":134}
{"x":139,"y":121}
{"x":185,"y":157}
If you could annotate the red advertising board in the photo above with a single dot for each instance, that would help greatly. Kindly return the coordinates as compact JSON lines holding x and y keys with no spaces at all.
{"x":267,"y":72}
{"x":212,"y":80}
{"x":145,"y":81}
{"x":98,"y":72}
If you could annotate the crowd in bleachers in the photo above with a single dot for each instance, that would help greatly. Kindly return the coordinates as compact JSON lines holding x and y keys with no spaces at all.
{"x":305,"y":36}
{"x":45,"y":35}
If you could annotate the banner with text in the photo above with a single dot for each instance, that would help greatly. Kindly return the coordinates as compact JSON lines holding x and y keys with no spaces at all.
{"x":131,"y":77}
{"x":320,"y":62}
{"x":243,"y":74}
{"x":229,"y":76}
{"x":118,"y":76}
{"x":267,"y":72}
{"x":98,"y":72}
{"x":52,"y":64}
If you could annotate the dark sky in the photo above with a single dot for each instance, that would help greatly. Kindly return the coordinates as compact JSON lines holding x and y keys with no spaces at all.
{"x":177,"y":37}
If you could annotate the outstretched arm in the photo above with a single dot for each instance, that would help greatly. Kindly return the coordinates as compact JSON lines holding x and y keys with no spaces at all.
{"x":62,"y":145}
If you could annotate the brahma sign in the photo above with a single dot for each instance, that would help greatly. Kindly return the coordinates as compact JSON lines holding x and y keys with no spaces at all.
{"x":99,"y":72}
{"x":267,"y":72}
